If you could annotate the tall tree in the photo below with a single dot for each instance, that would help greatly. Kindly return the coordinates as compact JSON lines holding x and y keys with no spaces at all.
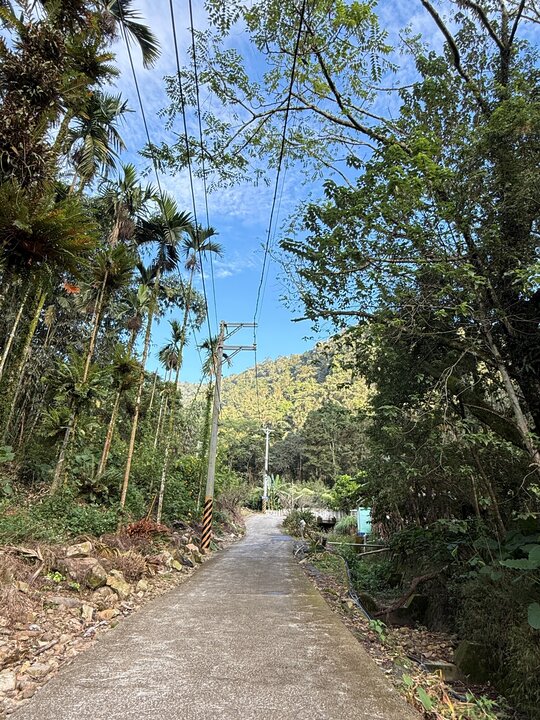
{"x":164,"y":231}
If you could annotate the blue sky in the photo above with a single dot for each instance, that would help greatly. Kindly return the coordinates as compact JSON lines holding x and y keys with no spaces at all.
{"x":240,"y":214}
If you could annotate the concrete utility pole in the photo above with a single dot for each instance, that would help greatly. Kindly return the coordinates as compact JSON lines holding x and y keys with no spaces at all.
{"x":224,"y":334}
{"x":267,"y":432}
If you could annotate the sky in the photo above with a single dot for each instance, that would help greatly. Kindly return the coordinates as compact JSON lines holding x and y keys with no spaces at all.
{"x":240,"y":214}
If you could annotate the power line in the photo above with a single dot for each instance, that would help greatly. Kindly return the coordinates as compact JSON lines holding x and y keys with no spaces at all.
{"x":151,"y":146}
{"x":197,"y":94}
{"x":141,"y":106}
{"x":190,"y":172}
{"x":262,"y":282}
{"x":280,"y":160}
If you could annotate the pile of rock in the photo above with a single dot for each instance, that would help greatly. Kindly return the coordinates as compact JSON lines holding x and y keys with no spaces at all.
{"x":84,"y":588}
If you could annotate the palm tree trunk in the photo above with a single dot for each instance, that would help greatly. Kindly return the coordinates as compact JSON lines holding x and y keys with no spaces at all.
{"x":58,"y":146}
{"x":72,"y":424}
{"x":153,"y":392}
{"x":168,"y":447}
{"x":114,"y":415}
{"x":95,"y":327}
{"x":25,"y":357}
{"x":58,"y":472}
{"x":13,"y":332}
{"x":109,"y":436}
{"x":162,"y":413}
{"x":135,"y":423}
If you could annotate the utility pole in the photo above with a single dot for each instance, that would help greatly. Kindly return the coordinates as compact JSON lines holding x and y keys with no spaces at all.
{"x":267,"y":432}
{"x":224,"y":334}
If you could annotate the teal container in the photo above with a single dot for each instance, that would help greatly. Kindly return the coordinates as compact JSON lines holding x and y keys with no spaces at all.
{"x":363,"y":518}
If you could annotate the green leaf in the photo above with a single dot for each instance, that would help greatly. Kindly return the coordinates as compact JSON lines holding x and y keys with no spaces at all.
{"x":521,"y":564}
{"x":424,"y":698}
{"x":533,"y":615}
{"x":408,"y":681}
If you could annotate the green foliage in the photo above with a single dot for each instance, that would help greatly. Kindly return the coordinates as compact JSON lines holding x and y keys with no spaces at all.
{"x":292,"y":524}
{"x":346,"y":526}
{"x":6,"y":454}
{"x":380,"y":628}
{"x":346,"y":492}
{"x":55,"y":519}
{"x":376,"y":577}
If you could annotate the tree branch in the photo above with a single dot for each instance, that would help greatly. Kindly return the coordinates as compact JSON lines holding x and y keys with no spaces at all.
{"x":519,"y":13}
{"x":348,"y":313}
{"x":455,"y":54}
{"x":484,"y":20}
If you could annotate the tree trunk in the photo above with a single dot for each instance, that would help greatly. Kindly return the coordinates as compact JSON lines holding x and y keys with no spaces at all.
{"x":24,"y":358}
{"x":521,"y":421}
{"x":135,"y":423}
{"x":13,"y":332}
{"x":153,"y":392}
{"x":95,"y":327}
{"x":165,"y":467}
{"x":162,"y":413}
{"x":61,"y":136}
{"x":70,"y":430}
{"x":109,"y":436}
{"x":501,"y":530}
{"x":114,"y":415}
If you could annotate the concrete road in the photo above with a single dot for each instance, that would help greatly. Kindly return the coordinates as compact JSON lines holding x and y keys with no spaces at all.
{"x":247,"y":638}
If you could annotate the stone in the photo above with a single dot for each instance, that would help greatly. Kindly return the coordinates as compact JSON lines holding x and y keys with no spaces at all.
{"x":194,"y":551}
{"x":108,"y":614}
{"x":166,"y":558}
{"x":447,"y":670}
{"x":8,"y":681}
{"x":81,"y":550}
{"x":28,"y":691}
{"x":368,"y":602}
{"x":85,"y":570}
{"x":142,"y":586}
{"x":104,"y":597}
{"x":68,"y":602}
{"x":473,"y":659}
{"x":39,"y":670}
{"x":87,"y":613}
{"x":117,"y":581}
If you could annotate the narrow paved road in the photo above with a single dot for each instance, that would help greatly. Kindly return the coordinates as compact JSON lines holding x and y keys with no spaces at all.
{"x":247,"y":638}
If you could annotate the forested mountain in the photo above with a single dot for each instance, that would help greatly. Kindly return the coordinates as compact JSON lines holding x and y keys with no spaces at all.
{"x":314,"y":404}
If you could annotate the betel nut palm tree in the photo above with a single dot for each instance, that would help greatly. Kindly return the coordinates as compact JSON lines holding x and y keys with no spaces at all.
{"x":162,"y":232}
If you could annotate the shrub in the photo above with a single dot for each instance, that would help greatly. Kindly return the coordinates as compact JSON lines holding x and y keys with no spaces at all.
{"x":55,"y":518}
{"x":89,"y":520}
{"x":512,"y":644}
{"x":253,"y":498}
{"x":132,"y":564}
{"x":291,"y":524}
{"x":376,"y":577}
{"x":346,"y":526}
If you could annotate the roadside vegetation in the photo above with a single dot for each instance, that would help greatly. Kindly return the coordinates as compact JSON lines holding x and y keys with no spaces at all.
{"x":419,"y":257}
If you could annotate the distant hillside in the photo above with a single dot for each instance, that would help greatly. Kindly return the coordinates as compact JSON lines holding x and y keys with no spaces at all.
{"x":290,"y":387}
